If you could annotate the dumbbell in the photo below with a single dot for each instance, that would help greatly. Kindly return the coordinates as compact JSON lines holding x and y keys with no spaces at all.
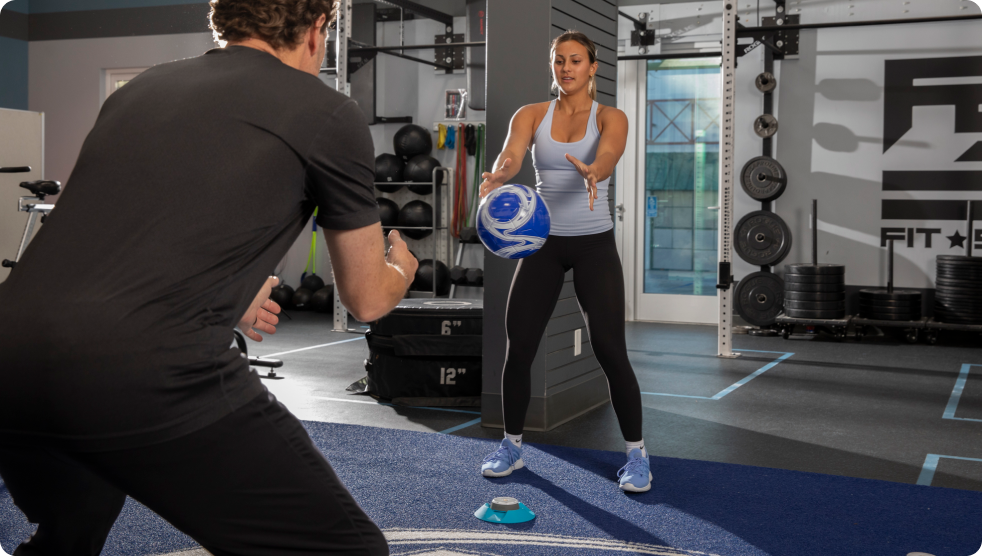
{"x":475,"y":277}
{"x":458,"y":275}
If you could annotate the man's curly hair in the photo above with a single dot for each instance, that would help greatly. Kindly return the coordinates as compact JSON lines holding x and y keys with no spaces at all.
{"x":280,"y":23}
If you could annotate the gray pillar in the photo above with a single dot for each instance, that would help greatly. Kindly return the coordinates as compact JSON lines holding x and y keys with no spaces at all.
{"x":564,"y":385}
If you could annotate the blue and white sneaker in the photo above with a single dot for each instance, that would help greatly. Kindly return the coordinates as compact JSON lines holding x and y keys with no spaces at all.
{"x":502,"y":461}
{"x":635,"y":476}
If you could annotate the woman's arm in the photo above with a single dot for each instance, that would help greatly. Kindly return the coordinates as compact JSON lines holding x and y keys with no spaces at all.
{"x":509,"y":162}
{"x":613,"y":139}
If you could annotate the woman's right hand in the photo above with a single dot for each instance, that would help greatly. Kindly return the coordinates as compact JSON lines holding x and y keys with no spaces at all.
{"x":494,"y":180}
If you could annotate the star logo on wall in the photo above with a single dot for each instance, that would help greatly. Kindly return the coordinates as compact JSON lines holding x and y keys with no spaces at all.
{"x":957,"y":240}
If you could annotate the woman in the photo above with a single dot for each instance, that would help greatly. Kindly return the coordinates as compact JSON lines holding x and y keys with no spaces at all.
{"x":574,"y":142}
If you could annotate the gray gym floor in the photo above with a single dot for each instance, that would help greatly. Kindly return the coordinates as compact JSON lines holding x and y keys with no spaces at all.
{"x":877,"y":409}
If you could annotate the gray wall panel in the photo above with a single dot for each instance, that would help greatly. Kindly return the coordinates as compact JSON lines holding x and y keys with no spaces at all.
{"x":128,"y":22}
{"x":565,"y":356}
{"x":580,"y":380}
{"x":567,"y":291}
{"x":605,"y":85}
{"x":582,"y":366}
{"x":563,"y":340}
{"x":584,"y":14}
{"x":566,"y":307}
{"x":597,"y":35}
{"x":601,"y":7}
{"x":558,"y":325}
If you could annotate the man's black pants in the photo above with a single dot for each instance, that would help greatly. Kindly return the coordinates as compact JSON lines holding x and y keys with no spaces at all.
{"x":251,"y":484}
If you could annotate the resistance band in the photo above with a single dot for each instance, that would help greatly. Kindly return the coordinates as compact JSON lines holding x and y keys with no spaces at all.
{"x":478,"y":171}
{"x":312,"y":254}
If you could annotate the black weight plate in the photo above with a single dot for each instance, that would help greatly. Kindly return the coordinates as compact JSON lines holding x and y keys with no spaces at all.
{"x":889,"y":304}
{"x":763,"y":178}
{"x":895,"y":295}
{"x":885,"y":310}
{"x":821,"y":315}
{"x":820,"y":268}
{"x":766,"y":82}
{"x":765,"y":126}
{"x":951,"y":275}
{"x":815,"y":278}
{"x":956,"y":306}
{"x":895,"y":318}
{"x":960,"y":259}
{"x":967,"y":284}
{"x":815,"y":305}
{"x":762,"y":238}
{"x":760,"y":297}
{"x":961,"y":293}
{"x":961,"y":267}
{"x":824,"y":288}
{"x":814,"y":296}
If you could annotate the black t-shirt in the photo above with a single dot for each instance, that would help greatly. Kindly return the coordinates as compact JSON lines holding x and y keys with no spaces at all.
{"x":198,"y":176}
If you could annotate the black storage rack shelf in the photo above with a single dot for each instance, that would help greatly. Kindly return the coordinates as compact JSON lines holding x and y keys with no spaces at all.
{"x":434,"y":196}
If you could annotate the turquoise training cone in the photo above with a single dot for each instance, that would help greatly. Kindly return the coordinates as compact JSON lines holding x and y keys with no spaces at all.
{"x":504,"y":510}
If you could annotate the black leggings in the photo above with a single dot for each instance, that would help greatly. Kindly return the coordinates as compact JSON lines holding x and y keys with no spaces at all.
{"x":599,"y":283}
{"x":252,"y":484}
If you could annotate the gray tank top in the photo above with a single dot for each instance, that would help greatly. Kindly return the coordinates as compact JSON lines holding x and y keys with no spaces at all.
{"x":562,"y":187}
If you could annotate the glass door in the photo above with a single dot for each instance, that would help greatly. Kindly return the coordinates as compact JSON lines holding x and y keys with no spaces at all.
{"x":677,"y":232}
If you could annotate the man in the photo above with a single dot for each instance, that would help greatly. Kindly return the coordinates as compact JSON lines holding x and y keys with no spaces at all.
{"x":117,"y":377}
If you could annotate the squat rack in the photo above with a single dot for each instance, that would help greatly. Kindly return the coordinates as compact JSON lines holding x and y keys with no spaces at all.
{"x":779,"y":36}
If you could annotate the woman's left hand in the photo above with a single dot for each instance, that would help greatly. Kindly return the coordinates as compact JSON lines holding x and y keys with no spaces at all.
{"x":589,"y":177}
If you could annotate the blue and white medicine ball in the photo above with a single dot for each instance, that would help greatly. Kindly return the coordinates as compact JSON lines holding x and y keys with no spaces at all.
{"x":513,"y":221}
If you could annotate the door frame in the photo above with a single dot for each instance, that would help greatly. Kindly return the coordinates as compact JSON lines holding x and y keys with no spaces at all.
{"x":629,"y":198}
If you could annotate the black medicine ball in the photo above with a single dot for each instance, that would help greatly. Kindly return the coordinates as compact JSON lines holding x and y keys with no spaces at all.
{"x":312,"y":283}
{"x":412,"y":140}
{"x":427,"y":273}
{"x":323,"y":299}
{"x":416,"y":214}
{"x":389,"y":168}
{"x":421,"y":169}
{"x":283,"y":296}
{"x":388,"y":213}
{"x":301,"y":299}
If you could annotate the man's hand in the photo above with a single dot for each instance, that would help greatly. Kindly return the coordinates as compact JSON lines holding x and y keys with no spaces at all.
{"x":400,"y":257}
{"x":261,"y":314}
{"x":589,"y":177}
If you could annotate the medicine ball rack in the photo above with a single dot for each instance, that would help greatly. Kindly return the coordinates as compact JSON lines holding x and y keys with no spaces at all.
{"x":340,"y":313}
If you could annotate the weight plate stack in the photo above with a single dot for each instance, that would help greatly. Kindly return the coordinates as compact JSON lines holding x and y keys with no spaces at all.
{"x":815,"y":291}
{"x":958,"y":297}
{"x":882,"y":304}
{"x":762,"y":238}
{"x":759,"y":298}
{"x":764,"y":179}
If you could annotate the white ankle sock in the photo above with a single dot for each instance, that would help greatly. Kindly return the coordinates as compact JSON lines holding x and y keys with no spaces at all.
{"x":515,"y":439}
{"x":639,"y":445}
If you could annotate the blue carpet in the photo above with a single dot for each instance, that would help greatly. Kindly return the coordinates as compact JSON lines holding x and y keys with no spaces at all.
{"x":422,"y":489}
